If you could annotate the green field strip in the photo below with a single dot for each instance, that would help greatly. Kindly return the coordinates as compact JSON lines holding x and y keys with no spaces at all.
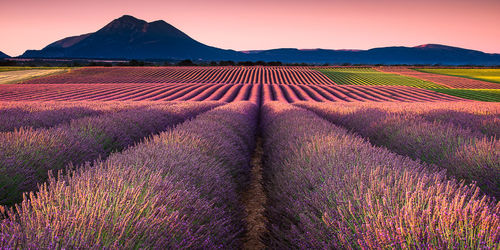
{"x":368,"y":76}
{"x":485,"y":95}
{"x":487,"y":75}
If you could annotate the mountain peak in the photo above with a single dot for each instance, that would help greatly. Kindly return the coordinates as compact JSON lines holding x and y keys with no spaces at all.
{"x":441,"y":47}
{"x":125,"y":22}
{"x":128,"y":19}
{"x":159,"y":22}
{"x":435,"y":46}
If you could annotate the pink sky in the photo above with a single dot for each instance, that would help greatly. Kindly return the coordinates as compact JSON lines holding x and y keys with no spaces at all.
{"x":259,"y":24}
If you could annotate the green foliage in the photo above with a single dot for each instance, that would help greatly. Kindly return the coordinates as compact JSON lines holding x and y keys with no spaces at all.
{"x":485,"y":95}
{"x":489,"y":75}
{"x":369,"y":76}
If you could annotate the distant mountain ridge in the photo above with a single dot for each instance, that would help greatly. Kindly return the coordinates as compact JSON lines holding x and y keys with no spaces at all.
{"x":130,"y":38}
{"x":3,"y":55}
{"x":423,"y":54}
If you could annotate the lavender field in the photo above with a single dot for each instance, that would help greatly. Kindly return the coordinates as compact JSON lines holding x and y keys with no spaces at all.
{"x":330,"y":188}
{"x":370,"y":170}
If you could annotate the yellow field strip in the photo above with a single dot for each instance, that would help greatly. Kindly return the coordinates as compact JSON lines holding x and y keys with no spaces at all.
{"x":21,"y":75}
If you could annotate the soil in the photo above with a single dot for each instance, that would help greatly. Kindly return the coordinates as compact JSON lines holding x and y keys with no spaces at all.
{"x":254,"y":200}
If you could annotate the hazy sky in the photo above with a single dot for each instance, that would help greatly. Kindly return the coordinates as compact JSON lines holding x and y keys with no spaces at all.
{"x":261,"y":24}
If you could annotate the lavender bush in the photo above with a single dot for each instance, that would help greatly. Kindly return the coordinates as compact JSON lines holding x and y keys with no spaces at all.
{"x":17,"y":118}
{"x":464,"y":153}
{"x":331,"y":189}
{"x":488,"y":124}
{"x":476,"y":116}
{"x":15,"y":115}
{"x":175,"y":190}
{"x":26,"y":155}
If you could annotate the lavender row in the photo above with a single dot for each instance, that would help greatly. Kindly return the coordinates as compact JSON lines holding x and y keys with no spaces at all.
{"x":17,"y":118}
{"x":175,"y":190}
{"x":464,"y":153}
{"x":15,"y":115}
{"x":26,"y":155}
{"x":488,"y":124}
{"x":476,"y":116}
{"x":330,"y":189}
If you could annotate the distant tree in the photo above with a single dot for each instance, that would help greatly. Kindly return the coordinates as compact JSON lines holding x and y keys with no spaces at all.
{"x":100,"y":64}
{"x":7,"y":63}
{"x":227,"y":63}
{"x":275,"y":63}
{"x":261,"y":63}
{"x":135,"y":63}
{"x":246,"y":63}
{"x":186,"y":62}
{"x":202,"y":63}
{"x":213,"y":63}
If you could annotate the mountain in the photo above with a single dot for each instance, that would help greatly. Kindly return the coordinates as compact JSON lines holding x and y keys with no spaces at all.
{"x":3,"y":55}
{"x":130,"y":38}
{"x":423,"y":54}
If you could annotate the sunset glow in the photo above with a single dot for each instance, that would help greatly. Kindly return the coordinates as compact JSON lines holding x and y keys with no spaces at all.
{"x":247,"y":25}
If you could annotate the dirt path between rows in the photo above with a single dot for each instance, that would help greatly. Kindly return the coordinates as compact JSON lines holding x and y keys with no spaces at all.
{"x":254,"y":201}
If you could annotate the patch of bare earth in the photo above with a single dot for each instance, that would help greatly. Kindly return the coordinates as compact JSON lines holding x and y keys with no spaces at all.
{"x":254,"y":200}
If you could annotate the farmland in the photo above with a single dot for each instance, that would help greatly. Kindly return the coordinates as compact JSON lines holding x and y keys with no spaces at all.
{"x":249,"y":157}
{"x":225,"y":75}
{"x":11,"y":76}
{"x":485,"y":95}
{"x":330,"y":188}
{"x":454,"y":148}
{"x":369,"y":76}
{"x":12,"y":68}
{"x":214,"y":92}
{"x":489,"y":75}
{"x":444,"y":80}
